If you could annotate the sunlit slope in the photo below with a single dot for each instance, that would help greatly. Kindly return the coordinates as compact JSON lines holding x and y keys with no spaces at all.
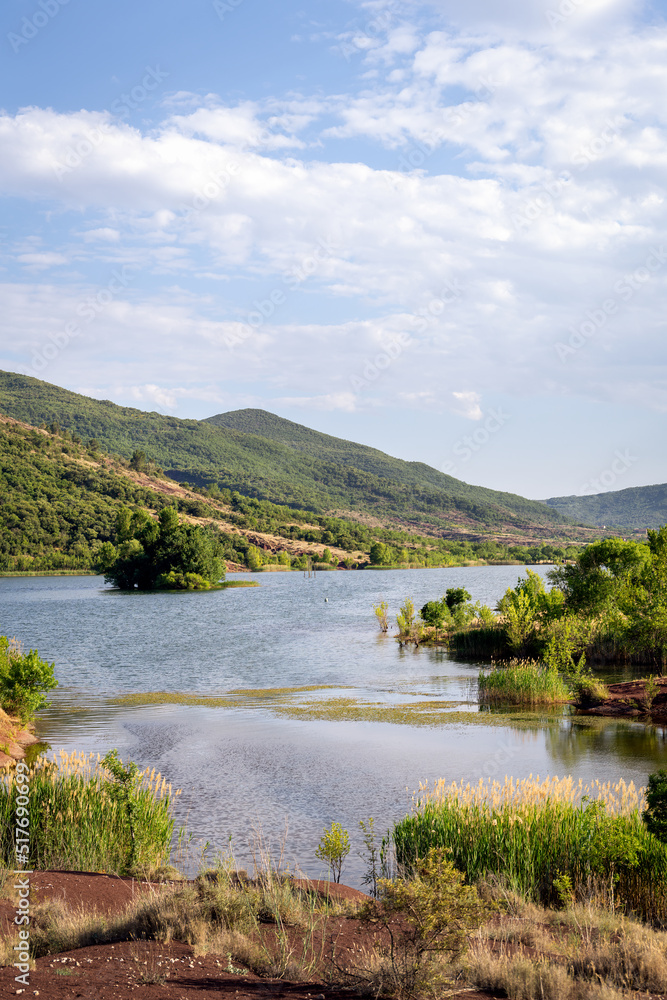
{"x":264,"y":456}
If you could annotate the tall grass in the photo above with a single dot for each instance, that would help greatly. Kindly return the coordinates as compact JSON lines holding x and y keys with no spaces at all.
{"x":489,"y":642}
{"x":78,"y":822}
{"x":523,"y":682}
{"x":547,"y":839}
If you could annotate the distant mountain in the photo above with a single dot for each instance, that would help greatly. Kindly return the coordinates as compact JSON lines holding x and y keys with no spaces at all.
{"x":638,"y":507}
{"x":261,"y":455}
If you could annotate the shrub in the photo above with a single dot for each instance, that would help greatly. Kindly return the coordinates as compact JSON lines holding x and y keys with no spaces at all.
{"x":24,"y":679}
{"x":436,"y":912}
{"x":655,"y":815}
{"x":333,"y":848}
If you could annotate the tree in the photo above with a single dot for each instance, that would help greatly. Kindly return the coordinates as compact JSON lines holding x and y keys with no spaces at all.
{"x":333,"y":848}
{"x":380,"y":554}
{"x":655,"y":816}
{"x":164,"y":554}
{"x":435,"y":613}
{"x":24,"y":680}
{"x":455,"y":596}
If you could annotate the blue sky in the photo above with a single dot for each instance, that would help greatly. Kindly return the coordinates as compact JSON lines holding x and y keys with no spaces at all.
{"x":439,"y":229}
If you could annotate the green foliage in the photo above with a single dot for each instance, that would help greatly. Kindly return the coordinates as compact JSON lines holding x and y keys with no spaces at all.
{"x":427,"y":916}
{"x":523,"y":682}
{"x":530,"y":840}
{"x":380,"y":554}
{"x":24,"y":680}
{"x":333,"y":848}
{"x":78,"y":820}
{"x":435,"y":614}
{"x":598,"y":575}
{"x":655,"y":815}
{"x":164,"y":554}
{"x":637,"y":507}
{"x":261,"y":455}
{"x":124,"y":789}
{"x":381,"y":615}
{"x":405,"y":619}
{"x":456,"y":596}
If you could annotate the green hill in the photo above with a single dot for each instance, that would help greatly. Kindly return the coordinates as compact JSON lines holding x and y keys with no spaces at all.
{"x":61,"y":499}
{"x":638,"y":507}
{"x":260,"y":455}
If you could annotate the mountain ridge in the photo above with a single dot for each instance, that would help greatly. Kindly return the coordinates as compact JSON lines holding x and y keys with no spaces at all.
{"x":331,"y":474}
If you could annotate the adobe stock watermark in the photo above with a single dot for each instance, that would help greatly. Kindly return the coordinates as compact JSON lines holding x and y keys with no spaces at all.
{"x":225,"y":7}
{"x":22,"y":872}
{"x":621,"y":462}
{"x":625,"y":288}
{"x":373,"y":367}
{"x":420,"y":152}
{"x":32,"y":25}
{"x":122,"y":107}
{"x":361,"y":39}
{"x":553,"y":189}
{"x":470,"y":444}
{"x":566,"y":9}
{"x":217,"y":182}
{"x":264,"y":309}
{"x":87,"y":310}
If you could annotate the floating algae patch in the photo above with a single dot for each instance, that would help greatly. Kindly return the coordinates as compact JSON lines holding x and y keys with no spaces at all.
{"x":237,"y":698}
{"x":277,"y":692}
{"x":349,"y":709}
{"x":413,"y":713}
{"x":174,"y":698}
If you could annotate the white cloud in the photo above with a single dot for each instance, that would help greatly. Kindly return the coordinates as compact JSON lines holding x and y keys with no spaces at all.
{"x":540,"y":189}
{"x":468,"y":405}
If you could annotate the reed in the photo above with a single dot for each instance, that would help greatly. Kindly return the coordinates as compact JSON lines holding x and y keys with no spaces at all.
{"x":78,"y":822}
{"x":545,"y":839}
{"x":523,"y":682}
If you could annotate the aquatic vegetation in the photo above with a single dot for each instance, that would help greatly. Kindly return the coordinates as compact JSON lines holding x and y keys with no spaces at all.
{"x":523,"y":682}
{"x":530,"y":833}
{"x":76,"y":820}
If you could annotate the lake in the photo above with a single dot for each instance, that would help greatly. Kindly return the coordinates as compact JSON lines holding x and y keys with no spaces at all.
{"x":267,"y":763}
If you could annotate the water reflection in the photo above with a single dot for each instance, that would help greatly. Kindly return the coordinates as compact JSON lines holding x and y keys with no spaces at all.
{"x":575,"y":742}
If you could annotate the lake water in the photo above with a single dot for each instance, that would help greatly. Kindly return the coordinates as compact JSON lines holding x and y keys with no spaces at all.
{"x":250,"y":767}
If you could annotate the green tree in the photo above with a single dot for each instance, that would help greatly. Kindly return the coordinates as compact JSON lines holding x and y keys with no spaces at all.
{"x":655,"y":815}
{"x":24,"y":680}
{"x":164,"y":554}
{"x":435,"y":614}
{"x":380,"y":554}
{"x":456,"y":596}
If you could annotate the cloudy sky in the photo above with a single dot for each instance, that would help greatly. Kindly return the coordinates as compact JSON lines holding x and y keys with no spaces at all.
{"x":433,"y":227}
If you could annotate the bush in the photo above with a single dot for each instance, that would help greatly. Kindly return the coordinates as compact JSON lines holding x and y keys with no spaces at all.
{"x":436,"y":912}
{"x":655,"y":816}
{"x":24,"y":679}
{"x":333,"y":848}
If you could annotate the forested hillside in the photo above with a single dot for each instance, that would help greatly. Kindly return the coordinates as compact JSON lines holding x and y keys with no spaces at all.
{"x":60,"y":500}
{"x":638,"y":507}
{"x":276,"y":460}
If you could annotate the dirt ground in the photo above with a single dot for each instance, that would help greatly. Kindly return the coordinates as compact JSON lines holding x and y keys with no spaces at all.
{"x":158,"y":971}
{"x":627,"y":700}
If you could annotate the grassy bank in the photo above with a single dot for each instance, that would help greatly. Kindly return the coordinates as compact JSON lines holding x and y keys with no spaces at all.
{"x":550,"y":841}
